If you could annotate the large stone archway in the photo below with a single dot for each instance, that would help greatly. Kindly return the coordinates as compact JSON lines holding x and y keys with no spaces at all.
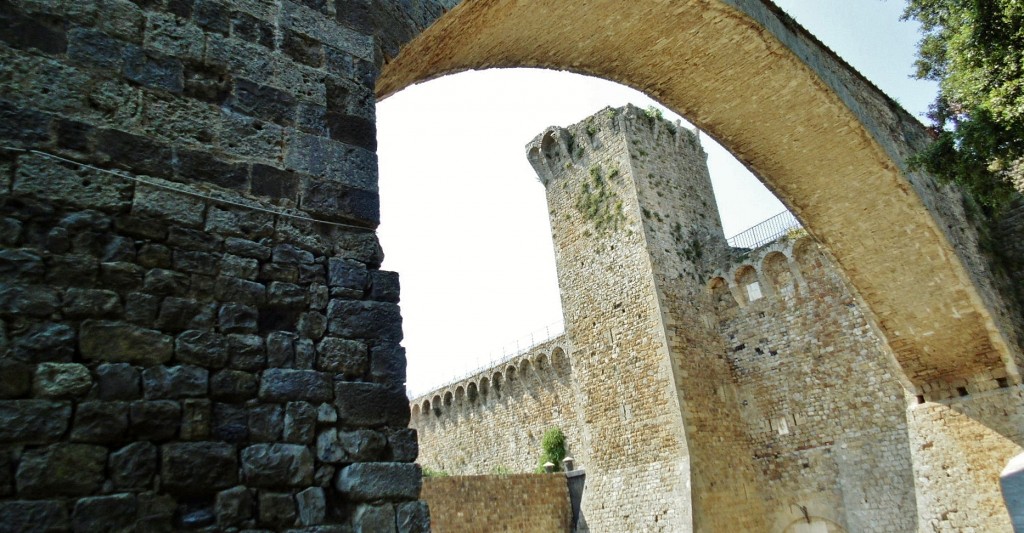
{"x":818,"y":134}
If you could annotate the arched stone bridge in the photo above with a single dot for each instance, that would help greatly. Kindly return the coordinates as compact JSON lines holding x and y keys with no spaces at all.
{"x":817,"y":133}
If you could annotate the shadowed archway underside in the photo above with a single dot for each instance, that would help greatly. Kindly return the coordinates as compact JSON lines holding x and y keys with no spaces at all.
{"x":822,"y":138}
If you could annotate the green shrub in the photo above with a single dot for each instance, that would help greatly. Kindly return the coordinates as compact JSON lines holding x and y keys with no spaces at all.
{"x":430,"y":472}
{"x":552,"y":449}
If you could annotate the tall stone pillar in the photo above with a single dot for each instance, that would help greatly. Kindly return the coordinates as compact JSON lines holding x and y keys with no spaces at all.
{"x":636,"y":229}
{"x":194,"y":329}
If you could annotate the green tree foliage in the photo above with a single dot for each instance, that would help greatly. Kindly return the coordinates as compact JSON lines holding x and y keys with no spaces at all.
{"x":975,"y":50}
{"x":552,"y":449}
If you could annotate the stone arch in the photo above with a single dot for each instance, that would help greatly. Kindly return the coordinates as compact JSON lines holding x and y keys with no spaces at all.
{"x":511,"y":375}
{"x":560,"y":362}
{"x":749,"y":284}
{"x":435,"y":404}
{"x":415,"y":411}
{"x":497,"y":383}
{"x":449,"y":399}
{"x":472,"y":393}
{"x":721,"y":295}
{"x":460,"y":396}
{"x":425,"y":408}
{"x":526,"y":373}
{"x":804,"y":100}
{"x":541,"y":363}
{"x":485,"y":388}
{"x":775,"y":269}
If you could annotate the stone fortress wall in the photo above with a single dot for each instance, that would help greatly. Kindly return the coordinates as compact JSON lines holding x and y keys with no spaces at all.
{"x":787,"y":407}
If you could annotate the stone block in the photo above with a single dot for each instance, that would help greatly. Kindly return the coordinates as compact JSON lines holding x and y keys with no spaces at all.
{"x":247,"y":352}
{"x":388,"y":364}
{"x":277,"y":465}
{"x":161,"y":203}
{"x":100,"y":422}
{"x":195,"y":262}
{"x":15,"y":377}
{"x":263,"y":102}
{"x":364,"y":320}
{"x":135,"y":153}
{"x":237,"y":318}
{"x":133,"y":466}
{"x":61,"y":380}
{"x":190,"y":239}
{"x":61,"y":469}
{"x":384,"y":286}
{"x":347,"y":274}
{"x":33,"y":421}
{"x":233,"y":386}
{"x":153,"y":70}
{"x":353,"y":130}
{"x":374,"y":518}
{"x":154,"y":420}
{"x":91,"y":303}
{"x":403,"y":444}
{"x":413,"y":517}
{"x":284,"y":385}
{"x":122,"y":342}
{"x":196,"y":419}
{"x":198,"y":468}
{"x":252,"y":29}
{"x":247,"y":248}
{"x":161,"y":382}
{"x":23,"y":265}
{"x":34,"y":515}
{"x":312,"y":325}
{"x":275,"y":183}
{"x":299,"y":422}
{"x":370,"y":404}
{"x":280,"y":349}
{"x":265,"y":423}
{"x":276,"y":509}
{"x":342,"y":356}
{"x":328,"y":449}
{"x":233,"y":506}
{"x":312,"y":505}
{"x":290,"y":254}
{"x":121,"y":276}
{"x":333,"y":201}
{"x":287,"y":295}
{"x":302,"y":49}
{"x":380,"y":481}
{"x":203,"y":348}
{"x":28,"y":300}
{"x":363,"y":445}
{"x":202,"y":166}
{"x":46,"y":342}
{"x":116,"y":512}
{"x":229,"y":289}
{"x":118,"y":381}
{"x":165,"y":282}
{"x":239,"y":267}
{"x":230,"y":422}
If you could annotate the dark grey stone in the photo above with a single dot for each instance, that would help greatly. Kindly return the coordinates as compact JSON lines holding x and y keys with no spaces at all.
{"x":324,"y":475}
{"x":363,"y":445}
{"x":121,"y":276}
{"x":165,"y":282}
{"x":247,"y":352}
{"x":284,"y":385}
{"x":312,"y":325}
{"x":238,"y":290}
{"x":74,"y":270}
{"x":262,"y":101}
{"x":122,"y":342}
{"x":230,"y":422}
{"x":177,"y":314}
{"x":196,"y":419}
{"x":237,"y":318}
{"x":388,"y":364}
{"x":161,"y":382}
{"x":328,"y":449}
{"x":342,"y":356}
{"x":279,"y":272}
{"x":116,"y":512}
{"x":28,"y":300}
{"x":265,"y":423}
{"x":152,"y":70}
{"x":100,"y":422}
{"x":280,"y":349}
{"x":384,"y":286}
{"x":289,"y":254}
{"x":364,"y":320}
{"x":141,"y":308}
{"x":133,"y":466}
{"x":156,"y":511}
{"x":118,"y":381}
{"x":374,"y":518}
{"x":233,"y":506}
{"x":247,"y":248}
{"x":239,"y":267}
{"x":193,"y":239}
{"x":35,"y":516}
{"x":33,"y":421}
{"x":319,"y":295}
{"x":155,"y":420}
{"x":203,"y":348}
{"x":413,"y":517}
{"x":277,"y":465}
{"x":370,"y":404}
{"x":10,"y":233}
{"x":61,"y":469}
{"x":299,"y":422}
{"x":233,"y":385}
{"x":276,"y":509}
{"x":403,"y":444}
{"x":286,"y":295}
{"x":46,"y":342}
{"x":61,"y":380}
{"x":118,"y":248}
{"x":380,"y":481}
{"x":15,"y":378}
{"x":198,"y":468}
{"x":197,"y":518}
{"x":21,"y":265}
{"x":305,"y":354}
{"x":312,"y":504}
{"x":91,"y":303}
{"x":152,"y":255}
{"x":347,"y":274}
{"x":334,"y":201}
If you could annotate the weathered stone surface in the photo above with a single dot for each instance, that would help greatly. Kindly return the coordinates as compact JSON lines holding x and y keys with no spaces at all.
{"x":388,"y":364}
{"x":342,"y":356}
{"x":240,"y":290}
{"x":362,"y":445}
{"x":286,"y":295}
{"x":328,"y":449}
{"x":100,"y":422}
{"x":91,"y":303}
{"x":196,"y":419}
{"x":283,"y":385}
{"x":233,"y":385}
{"x":121,"y":342}
{"x":155,"y":420}
{"x":133,"y":466}
{"x":299,"y":422}
{"x":384,"y":286}
{"x":234,"y":506}
{"x":371,"y":518}
{"x":61,"y":469}
{"x":347,"y":274}
{"x":276,"y":509}
{"x":247,"y":248}
{"x":290,"y":254}
{"x":61,"y":380}
{"x":28,"y":300}
{"x":230,"y":422}
{"x":118,"y":381}
{"x":369,"y":404}
{"x":280,"y":349}
{"x":277,"y":465}
{"x":237,"y":318}
{"x":413,"y":517}
{"x":34,"y":515}
{"x":178,"y":314}
{"x":15,"y":377}
{"x":312,"y":504}
{"x":265,"y":423}
{"x":403,"y":444}
{"x":203,"y":348}
{"x":165,"y":282}
{"x":46,"y":342}
{"x":161,"y":382}
{"x":160,"y":203}
{"x":247,"y":352}
{"x":33,"y":421}
{"x":380,"y":481}
{"x":116,"y":512}
{"x":364,"y":320}
{"x":198,"y":468}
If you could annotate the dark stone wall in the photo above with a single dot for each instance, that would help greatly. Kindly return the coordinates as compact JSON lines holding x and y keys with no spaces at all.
{"x":181,"y":346}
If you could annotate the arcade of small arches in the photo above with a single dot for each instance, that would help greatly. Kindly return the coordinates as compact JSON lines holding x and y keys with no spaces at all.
{"x":544,"y":363}
{"x":778,"y":269}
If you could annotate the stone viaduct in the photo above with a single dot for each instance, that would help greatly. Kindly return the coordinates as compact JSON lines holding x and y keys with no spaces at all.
{"x":195,"y":329}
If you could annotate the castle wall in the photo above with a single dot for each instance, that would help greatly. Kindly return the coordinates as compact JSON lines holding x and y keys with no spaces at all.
{"x":524,"y":502}
{"x":820,"y":396}
{"x":493,"y":422}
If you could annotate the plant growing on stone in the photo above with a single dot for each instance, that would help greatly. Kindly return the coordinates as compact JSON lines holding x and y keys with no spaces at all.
{"x":431,"y":473}
{"x":552,"y":449}
{"x":598,"y":203}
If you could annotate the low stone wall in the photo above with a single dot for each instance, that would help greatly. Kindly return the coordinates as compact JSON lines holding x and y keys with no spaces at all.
{"x":522,"y":502}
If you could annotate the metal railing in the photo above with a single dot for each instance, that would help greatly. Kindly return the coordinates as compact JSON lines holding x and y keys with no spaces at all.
{"x":765,"y":232}
{"x":507,"y":352}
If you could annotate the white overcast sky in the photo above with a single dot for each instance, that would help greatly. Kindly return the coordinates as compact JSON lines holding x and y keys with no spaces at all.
{"x":463,"y":217}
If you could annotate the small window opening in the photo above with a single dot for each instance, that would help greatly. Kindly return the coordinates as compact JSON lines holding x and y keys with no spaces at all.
{"x":754,"y":291}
